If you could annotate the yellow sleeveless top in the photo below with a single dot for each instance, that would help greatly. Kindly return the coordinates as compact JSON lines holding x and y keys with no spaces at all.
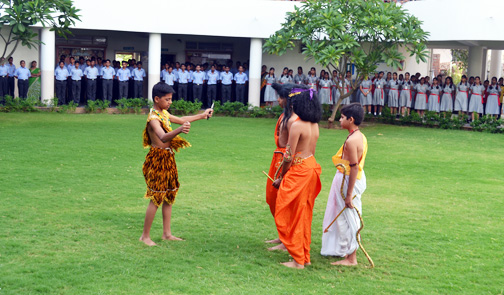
{"x":164,"y":117}
{"x":337,"y":159}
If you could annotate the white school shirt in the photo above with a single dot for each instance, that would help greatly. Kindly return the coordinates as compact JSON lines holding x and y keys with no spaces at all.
{"x":226,"y":78}
{"x":183,"y":77}
{"x":11,"y":69}
{"x":198,"y":77}
{"x":76,"y":74}
{"x":61,"y":74}
{"x":240,"y":78}
{"x":91,"y":72}
{"x":108,"y":74}
{"x":138,"y":75}
{"x":123,"y":74}
{"x":169,"y":78}
{"x":22,"y":73}
{"x":212,"y":77}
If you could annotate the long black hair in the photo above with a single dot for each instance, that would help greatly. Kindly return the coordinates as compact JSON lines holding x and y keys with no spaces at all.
{"x":306,"y":107}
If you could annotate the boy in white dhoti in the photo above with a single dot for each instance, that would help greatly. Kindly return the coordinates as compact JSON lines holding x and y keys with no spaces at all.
{"x":340,"y":240}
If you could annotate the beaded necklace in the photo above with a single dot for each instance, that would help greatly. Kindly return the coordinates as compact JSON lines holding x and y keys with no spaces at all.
{"x":164,"y":118}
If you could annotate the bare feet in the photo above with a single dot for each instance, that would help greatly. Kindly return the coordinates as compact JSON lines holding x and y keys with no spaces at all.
{"x":293,"y":264}
{"x":147,"y":241}
{"x":275,"y":241}
{"x":278,"y":247}
{"x":171,"y":238}
{"x":307,"y":264}
{"x":345,"y":262}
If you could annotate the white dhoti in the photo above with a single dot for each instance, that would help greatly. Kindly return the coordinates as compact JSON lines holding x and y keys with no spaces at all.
{"x":340,"y":240}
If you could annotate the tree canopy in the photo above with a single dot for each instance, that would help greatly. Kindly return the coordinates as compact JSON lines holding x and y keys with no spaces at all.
{"x":21,"y":15}
{"x":335,"y":33}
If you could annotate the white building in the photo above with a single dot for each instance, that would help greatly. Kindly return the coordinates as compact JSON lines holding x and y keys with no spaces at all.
{"x":154,"y":31}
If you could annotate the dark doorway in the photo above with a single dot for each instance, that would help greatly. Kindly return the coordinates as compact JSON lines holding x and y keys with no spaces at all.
{"x":167,"y":58}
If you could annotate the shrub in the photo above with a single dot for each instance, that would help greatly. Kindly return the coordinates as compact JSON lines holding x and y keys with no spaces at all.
{"x":122,"y":105}
{"x":68,"y":108}
{"x":183,"y":108}
{"x":91,"y":106}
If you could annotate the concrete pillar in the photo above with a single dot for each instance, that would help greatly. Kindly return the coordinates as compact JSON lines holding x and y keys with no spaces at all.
{"x":496,"y":64}
{"x":47,"y":64}
{"x":477,"y":62}
{"x":154,"y":62}
{"x":255,"y":71}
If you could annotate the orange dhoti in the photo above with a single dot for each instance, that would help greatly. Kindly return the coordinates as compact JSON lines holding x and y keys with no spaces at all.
{"x":294,"y":207}
{"x":271,"y":191}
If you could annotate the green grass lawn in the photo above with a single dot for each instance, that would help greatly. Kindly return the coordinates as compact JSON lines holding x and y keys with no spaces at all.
{"x":72,"y":210}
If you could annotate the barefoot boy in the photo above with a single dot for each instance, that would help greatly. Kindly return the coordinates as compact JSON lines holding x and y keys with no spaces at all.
{"x":281,"y":136}
{"x":160,"y":169}
{"x":341,"y":240}
{"x":299,"y":180}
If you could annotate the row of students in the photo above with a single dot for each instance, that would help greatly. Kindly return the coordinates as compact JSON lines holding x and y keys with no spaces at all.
{"x":74,"y":74}
{"x":216,"y":82}
{"x":402,"y":95}
{"x":9,"y":73}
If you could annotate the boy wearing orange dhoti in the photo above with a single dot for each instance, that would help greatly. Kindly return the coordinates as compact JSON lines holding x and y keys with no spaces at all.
{"x":299,"y":180}
{"x":281,"y":137}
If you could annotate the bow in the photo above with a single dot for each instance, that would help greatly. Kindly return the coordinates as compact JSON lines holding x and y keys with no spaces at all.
{"x":357,"y":235}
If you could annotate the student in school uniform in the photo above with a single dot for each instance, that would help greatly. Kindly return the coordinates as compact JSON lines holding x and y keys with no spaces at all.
{"x":415,"y":82}
{"x":22,"y":74}
{"x":226,"y":78}
{"x":164,"y":71}
{"x":462,"y":98}
{"x":285,"y":78}
{"x":421,"y":97}
{"x":61,"y":74}
{"x":312,"y":79}
{"x":108,"y":75}
{"x":99,"y":81}
{"x":131,"y":82}
{"x":190,"y":94}
{"x":169,"y":76}
{"x":241,"y":79}
{"x":76,"y":78}
{"x":91,"y":74}
{"x":69,"y":67}
{"x":379,"y":94}
{"x":493,"y":102}
{"x":393,"y":94}
{"x":324,"y":93}
{"x":300,"y":78}
{"x":366,"y":98}
{"x":212,"y":78}
{"x":11,"y":71}
{"x":4,"y":72}
{"x":476,"y":102}
{"x":386,"y":87}
{"x":183,"y":80}
{"x":406,"y":95}
{"x":138,"y":76}
{"x":434,"y":96}
{"x":447,"y":97}
{"x":123,"y":76}
{"x":198,"y":78}
{"x":270,"y":95}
